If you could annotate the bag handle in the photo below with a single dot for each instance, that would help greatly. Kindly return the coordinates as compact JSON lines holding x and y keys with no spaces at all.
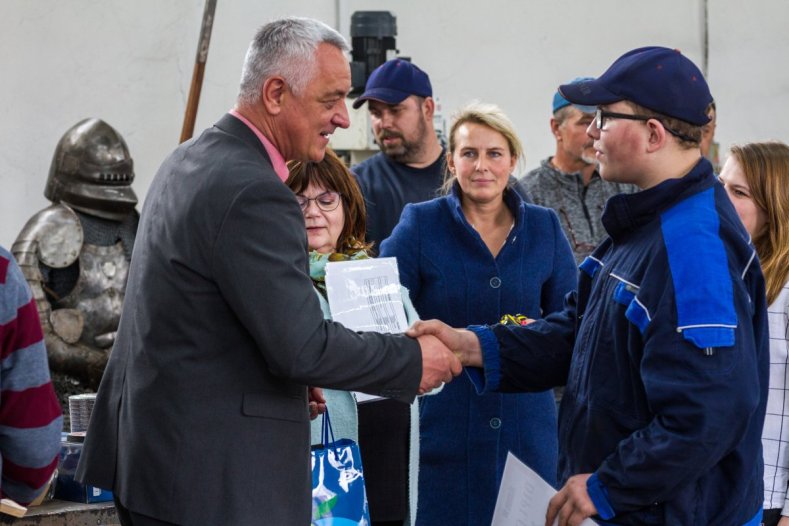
{"x":327,"y":431}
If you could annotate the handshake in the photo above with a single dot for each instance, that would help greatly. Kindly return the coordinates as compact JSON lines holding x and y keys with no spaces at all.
{"x":439,"y":342}
{"x":444,"y":352}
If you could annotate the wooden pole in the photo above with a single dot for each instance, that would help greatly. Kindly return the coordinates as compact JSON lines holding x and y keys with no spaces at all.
{"x":190,"y":115}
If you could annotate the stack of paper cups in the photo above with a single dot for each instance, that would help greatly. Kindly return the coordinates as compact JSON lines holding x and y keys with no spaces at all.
{"x":79,"y":407}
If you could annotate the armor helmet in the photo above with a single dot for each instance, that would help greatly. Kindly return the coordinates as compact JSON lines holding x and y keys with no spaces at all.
{"x":92,"y":171}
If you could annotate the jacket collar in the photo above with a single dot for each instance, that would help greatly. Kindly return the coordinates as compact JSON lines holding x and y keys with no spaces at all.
{"x":626,"y":212}
{"x":571,"y":180}
{"x":238,"y":129}
{"x":511,"y":198}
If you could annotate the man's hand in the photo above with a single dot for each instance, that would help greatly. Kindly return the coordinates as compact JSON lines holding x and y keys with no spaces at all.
{"x":572,"y":504}
{"x":784,"y":521}
{"x":317,"y":403}
{"x":439,"y":365}
{"x":462,"y":342}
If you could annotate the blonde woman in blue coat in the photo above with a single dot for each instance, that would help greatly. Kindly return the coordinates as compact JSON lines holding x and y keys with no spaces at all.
{"x":468,"y":258}
{"x":335,"y":218}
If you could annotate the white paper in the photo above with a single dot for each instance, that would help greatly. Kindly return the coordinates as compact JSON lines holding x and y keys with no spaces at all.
{"x":363,"y":398}
{"x":523,"y":497}
{"x":364,"y":295}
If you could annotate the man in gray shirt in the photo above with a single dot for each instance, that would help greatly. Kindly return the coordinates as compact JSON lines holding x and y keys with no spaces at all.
{"x":568,"y":181}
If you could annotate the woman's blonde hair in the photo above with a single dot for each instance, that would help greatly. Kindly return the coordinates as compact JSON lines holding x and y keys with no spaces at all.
{"x":488,"y":115}
{"x":766,"y":169}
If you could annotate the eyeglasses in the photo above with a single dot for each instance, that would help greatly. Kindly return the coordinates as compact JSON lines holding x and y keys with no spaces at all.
{"x":581,"y":248}
{"x":327,"y":201}
{"x":601,"y":115}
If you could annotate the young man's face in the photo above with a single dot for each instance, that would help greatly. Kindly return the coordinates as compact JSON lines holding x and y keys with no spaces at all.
{"x":618,"y":145}
{"x":400,"y":129}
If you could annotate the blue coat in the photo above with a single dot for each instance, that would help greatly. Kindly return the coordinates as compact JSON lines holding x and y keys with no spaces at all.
{"x":452,"y":276}
{"x":667,"y":350}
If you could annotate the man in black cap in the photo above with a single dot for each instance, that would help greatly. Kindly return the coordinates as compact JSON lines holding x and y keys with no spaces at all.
{"x":410,"y":166}
{"x":664,"y":347}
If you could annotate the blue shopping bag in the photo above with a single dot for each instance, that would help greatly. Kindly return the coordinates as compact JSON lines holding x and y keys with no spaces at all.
{"x":338,"y":494}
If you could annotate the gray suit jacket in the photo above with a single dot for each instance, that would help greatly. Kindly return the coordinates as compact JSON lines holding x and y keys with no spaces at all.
{"x":201,"y":416}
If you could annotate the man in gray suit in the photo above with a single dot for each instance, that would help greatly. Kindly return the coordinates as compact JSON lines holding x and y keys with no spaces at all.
{"x":202,"y":415}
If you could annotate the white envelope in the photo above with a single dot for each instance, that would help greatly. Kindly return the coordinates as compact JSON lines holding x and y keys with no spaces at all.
{"x":523,"y":497}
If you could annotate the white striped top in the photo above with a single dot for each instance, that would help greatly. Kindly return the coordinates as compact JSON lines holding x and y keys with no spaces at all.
{"x":775,"y":437}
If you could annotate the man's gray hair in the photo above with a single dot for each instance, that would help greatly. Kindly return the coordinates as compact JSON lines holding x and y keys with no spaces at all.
{"x":285,"y":47}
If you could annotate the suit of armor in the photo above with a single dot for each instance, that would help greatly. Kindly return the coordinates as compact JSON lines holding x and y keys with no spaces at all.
{"x":75,"y":253}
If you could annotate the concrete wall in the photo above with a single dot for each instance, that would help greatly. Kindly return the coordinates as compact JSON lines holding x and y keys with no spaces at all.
{"x":130,"y":63}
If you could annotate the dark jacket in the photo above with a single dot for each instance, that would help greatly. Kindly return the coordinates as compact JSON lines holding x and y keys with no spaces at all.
{"x":201,"y":417}
{"x":387,"y":186}
{"x":665,"y":353}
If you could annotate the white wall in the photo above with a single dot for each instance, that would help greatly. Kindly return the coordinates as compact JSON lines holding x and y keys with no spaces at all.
{"x":130,"y":63}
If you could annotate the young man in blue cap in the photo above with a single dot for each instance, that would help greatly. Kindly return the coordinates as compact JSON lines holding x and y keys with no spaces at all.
{"x":410,"y":166}
{"x":664,"y":346}
{"x":568,"y":181}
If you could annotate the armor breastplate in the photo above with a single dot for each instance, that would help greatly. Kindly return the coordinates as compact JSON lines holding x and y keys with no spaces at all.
{"x":98,"y":294}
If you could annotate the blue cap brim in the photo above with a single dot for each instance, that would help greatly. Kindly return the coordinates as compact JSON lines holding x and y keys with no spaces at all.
{"x":585,"y":109}
{"x":385,"y":95}
{"x":579,"y":107}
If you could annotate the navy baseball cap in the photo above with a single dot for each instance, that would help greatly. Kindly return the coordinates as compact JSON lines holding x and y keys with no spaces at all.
{"x":560,"y":102}
{"x":658,"y":78}
{"x":393,"y":81}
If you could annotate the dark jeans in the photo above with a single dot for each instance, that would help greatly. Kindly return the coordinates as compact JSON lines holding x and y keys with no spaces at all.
{"x":771,"y":517}
{"x":130,"y":518}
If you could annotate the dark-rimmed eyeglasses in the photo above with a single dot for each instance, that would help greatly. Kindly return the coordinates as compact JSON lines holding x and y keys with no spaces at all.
{"x":327,"y":201}
{"x":601,"y":115}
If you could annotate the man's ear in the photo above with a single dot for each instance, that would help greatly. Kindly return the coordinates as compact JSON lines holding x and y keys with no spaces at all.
{"x":429,"y":107}
{"x":272,"y":94}
{"x":555,"y":129}
{"x":657,"y":135}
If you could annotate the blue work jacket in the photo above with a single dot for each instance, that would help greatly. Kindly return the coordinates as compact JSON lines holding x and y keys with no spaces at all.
{"x":664,"y":349}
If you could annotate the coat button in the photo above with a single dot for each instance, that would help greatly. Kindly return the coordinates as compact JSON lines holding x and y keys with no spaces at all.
{"x":495,"y":282}
{"x":495,"y":422}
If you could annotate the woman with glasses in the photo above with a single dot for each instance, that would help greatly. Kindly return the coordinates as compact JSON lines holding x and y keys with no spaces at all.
{"x":335,"y":217}
{"x":756,"y":177}
{"x":472,"y":257}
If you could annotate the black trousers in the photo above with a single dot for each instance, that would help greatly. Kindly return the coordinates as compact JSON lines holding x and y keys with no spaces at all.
{"x":130,"y":518}
{"x":771,"y":517}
